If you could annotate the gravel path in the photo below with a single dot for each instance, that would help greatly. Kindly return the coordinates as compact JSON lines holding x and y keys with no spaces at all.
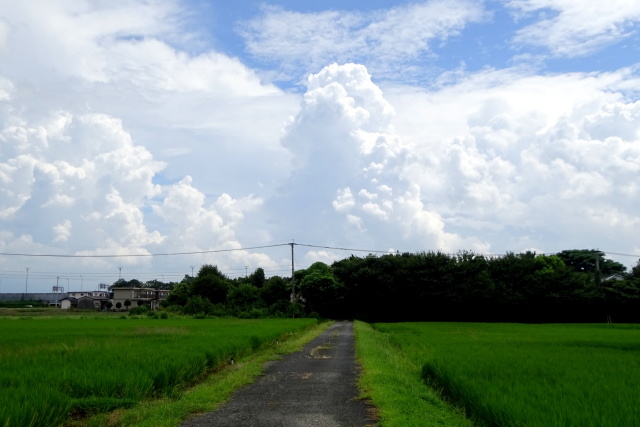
{"x":313,"y":387}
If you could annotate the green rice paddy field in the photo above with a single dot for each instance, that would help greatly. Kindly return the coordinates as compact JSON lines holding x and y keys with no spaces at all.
{"x":515,"y":374}
{"x":52,"y":368}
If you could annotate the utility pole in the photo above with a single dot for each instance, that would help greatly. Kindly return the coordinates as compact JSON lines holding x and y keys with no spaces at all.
{"x":598,"y":276}
{"x":293,"y":279}
{"x":81,"y":282}
{"x":26,"y":281}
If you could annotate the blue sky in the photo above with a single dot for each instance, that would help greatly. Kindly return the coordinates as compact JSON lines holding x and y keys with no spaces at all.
{"x":488,"y":41}
{"x":143,"y":127}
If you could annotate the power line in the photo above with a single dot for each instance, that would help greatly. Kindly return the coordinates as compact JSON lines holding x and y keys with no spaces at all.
{"x":139,"y":255}
{"x":247,"y":249}
{"x":342,"y":249}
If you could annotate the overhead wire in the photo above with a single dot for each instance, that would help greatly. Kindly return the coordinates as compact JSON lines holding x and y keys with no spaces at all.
{"x":140,"y":255}
{"x":35,"y":275}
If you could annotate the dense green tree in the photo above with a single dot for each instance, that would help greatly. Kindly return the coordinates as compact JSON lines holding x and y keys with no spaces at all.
{"x":522,"y":287}
{"x":197,"y":304}
{"x":122,"y":283}
{"x":157,"y":284}
{"x":212,"y":287}
{"x":244,"y":297}
{"x":211,"y":284}
{"x":588,"y":260}
{"x":275,"y":290}
{"x":210,"y":270}
{"x":179,"y":294}
{"x":257,"y":278}
{"x":635,"y":271}
{"x":321,"y":291}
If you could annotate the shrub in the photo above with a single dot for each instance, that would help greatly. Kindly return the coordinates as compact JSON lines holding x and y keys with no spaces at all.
{"x":143,"y":309}
{"x":198,"y":305}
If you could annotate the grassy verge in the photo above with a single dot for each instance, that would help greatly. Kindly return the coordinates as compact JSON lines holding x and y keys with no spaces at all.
{"x":207,"y":395}
{"x":393,"y":382}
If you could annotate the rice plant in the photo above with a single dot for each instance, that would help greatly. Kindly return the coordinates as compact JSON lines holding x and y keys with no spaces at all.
{"x":53,"y":368}
{"x":530,"y":375}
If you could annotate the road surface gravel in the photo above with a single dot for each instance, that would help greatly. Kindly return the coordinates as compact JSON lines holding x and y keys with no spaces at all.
{"x":313,"y":387}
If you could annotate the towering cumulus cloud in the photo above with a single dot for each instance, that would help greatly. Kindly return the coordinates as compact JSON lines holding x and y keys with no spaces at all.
{"x":348,"y":170}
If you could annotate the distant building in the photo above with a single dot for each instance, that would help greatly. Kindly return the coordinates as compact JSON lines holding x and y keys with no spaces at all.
{"x":98,"y":294}
{"x":90,"y":302}
{"x":85,"y":300}
{"x":68,"y":302}
{"x":139,"y":296}
{"x":99,"y":300}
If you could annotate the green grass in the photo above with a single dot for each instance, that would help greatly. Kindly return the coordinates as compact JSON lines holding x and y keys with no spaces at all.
{"x":529,"y":375}
{"x":51,"y":368}
{"x":39,"y":311}
{"x":21,"y":304}
{"x":391,"y":379}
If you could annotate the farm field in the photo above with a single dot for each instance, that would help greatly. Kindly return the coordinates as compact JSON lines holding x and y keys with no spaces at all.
{"x":520,"y":375}
{"x":51,"y":368}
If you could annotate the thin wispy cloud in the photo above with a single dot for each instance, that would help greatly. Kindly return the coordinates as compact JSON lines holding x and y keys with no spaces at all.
{"x":576,"y":28}
{"x":303,"y":42}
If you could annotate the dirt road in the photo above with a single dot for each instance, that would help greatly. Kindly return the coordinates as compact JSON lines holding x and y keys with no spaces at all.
{"x":314,"y":387}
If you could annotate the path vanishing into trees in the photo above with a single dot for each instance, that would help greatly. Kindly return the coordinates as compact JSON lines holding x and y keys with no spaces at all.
{"x":313,"y":387}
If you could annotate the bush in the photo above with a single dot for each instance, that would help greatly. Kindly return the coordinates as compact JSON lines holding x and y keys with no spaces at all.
{"x":143,"y":309}
{"x":198,"y":305}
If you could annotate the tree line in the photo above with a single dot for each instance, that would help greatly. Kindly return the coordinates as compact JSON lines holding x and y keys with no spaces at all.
{"x":570,"y":286}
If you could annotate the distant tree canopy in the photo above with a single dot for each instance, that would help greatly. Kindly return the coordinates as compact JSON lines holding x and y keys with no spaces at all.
{"x":635,"y":271}
{"x":589,"y":261}
{"x":321,"y":291}
{"x":135,"y":283}
{"x":211,"y":292}
{"x":428,"y":286}
{"x":122,"y":283}
{"x":522,"y":287}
